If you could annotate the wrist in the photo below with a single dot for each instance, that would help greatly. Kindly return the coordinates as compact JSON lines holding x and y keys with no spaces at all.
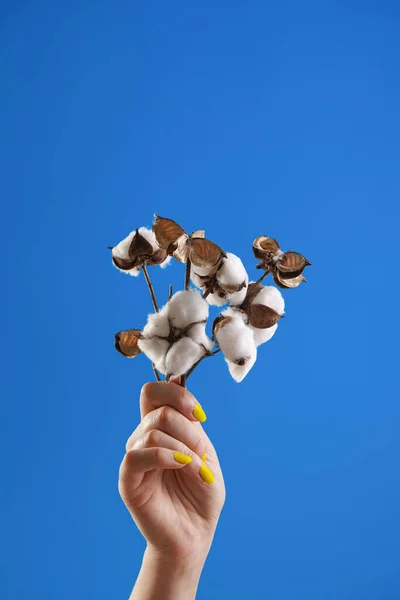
{"x":183,"y":564}
{"x":167,"y":577}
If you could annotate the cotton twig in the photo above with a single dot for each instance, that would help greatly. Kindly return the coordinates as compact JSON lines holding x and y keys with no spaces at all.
{"x":156,"y":373}
{"x":187,"y":274}
{"x":170,"y":292}
{"x":198,"y":362}
{"x":150,"y":286}
{"x":262,"y":276}
{"x":208,"y":290}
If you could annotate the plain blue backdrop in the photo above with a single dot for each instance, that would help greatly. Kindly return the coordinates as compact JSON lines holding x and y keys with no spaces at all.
{"x":243,"y":118}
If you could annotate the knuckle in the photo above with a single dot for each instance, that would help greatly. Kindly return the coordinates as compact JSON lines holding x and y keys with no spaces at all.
{"x":165,"y":415}
{"x":158,"y":454}
{"x":151,"y":438}
{"x":146,"y":391}
{"x":130,"y":458}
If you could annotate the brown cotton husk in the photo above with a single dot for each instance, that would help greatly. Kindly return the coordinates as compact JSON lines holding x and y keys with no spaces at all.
{"x":157,"y":258}
{"x":264,"y":246}
{"x":252,"y":291}
{"x":142,"y":252}
{"x":125,"y":264}
{"x":126,"y":342}
{"x":287,"y":282}
{"x":262,"y":317}
{"x":140,"y":248}
{"x":167,"y":233}
{"x":292,"y":263}
{"x":220,"y":322}
{"x":204,"y":253}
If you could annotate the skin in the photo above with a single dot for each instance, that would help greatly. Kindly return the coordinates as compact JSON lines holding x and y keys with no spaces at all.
{"x":174,"y":508}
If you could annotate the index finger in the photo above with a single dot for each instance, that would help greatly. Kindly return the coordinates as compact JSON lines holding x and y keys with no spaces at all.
{"x":156,"y":394}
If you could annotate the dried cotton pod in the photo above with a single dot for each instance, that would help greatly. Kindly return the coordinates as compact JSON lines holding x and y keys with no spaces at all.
{"x":138,"y":249}
{"x":126,"y":342}
{"x":265,"y":246}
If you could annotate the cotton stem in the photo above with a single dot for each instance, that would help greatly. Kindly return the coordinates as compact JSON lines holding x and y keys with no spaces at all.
{"x":150,"y":286}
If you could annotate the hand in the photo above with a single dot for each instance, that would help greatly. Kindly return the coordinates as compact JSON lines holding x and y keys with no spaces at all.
{"x":175,"y":505}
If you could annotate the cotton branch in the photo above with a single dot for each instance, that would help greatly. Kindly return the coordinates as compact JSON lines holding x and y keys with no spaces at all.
{"x":150,"y":286}
{"x":187,"y":274}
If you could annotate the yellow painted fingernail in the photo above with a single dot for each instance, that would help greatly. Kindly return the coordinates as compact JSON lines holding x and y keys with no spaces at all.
{"x":206,"y":474}
{"x":199,"y":413}
{"x":182,"y":459}
{"x":204,"y":457}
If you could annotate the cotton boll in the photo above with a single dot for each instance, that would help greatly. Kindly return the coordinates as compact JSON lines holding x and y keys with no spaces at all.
{"x":270,"y":296}
{"x":121,"y":251}
{"x":157,"y":324}
{"x":232,"y":272}
{"x":154,"y":348}
{"x":263,"y":335}
{"x":198,"y":334}
{"x":237,"y":298}
{"x":216,"y":300}
{"x":239,"y":372}
{"x":235,"y":339}
{"x":182,"y":355}
{"x":187,"y":307}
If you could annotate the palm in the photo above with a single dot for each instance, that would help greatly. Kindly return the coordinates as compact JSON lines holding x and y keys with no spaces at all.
{"x":170,"y":509}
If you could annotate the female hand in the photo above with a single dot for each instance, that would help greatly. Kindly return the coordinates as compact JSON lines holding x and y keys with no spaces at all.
{"x":171,"y":483}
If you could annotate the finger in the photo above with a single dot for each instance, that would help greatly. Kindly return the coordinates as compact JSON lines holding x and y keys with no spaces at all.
{"x":156,"y":437}
{"x":154,"y":395}
{"x":137,"y":462}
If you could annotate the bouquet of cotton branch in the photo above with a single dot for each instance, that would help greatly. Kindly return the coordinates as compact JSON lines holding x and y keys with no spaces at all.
{"x":174,"y":337}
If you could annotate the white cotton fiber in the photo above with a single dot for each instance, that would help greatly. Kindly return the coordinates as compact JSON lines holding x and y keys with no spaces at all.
{"x":157,"y":324}
{"x":187,"y":307}
{"x":121,"y":250}
{"x":231,"y":311}
{"x":236,"y":340}
{"x":239,"y":372}
{"x":232,"y":272}
{"x":198,"y":334}
{"x":270,"y":296}
{"x":196,"y":280}
{"x":263,"y":335}
{"x":216,"y":300}
{"x":203,"y":271}
{"x":182,"y":355}
{"x":166,"y":262}
{"x":237,"y":298}
{"x":160,"y":366}
{"x":154,"y":348}
{"x":148,"y":235}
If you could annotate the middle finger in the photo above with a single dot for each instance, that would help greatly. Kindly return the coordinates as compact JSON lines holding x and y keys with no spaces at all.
{"x":172,"y":422}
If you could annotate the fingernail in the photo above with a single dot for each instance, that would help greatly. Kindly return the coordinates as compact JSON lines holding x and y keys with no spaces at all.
{"x":182,"y":459}
{"x":199,"y":413}
{"x":204,"y":457}
{"x":206,"y":474}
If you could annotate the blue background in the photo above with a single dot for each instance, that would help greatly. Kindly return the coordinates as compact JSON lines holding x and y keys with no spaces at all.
{"x":244,"y":118}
